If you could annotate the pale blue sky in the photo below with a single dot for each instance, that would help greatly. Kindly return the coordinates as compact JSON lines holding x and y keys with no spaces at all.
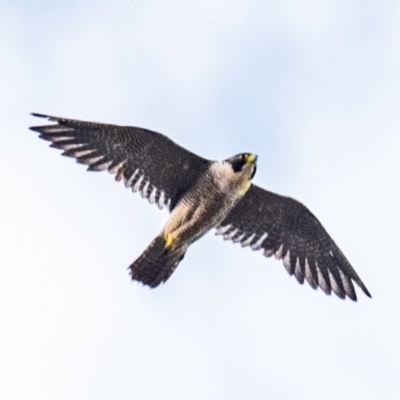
{"x":312,"y":87}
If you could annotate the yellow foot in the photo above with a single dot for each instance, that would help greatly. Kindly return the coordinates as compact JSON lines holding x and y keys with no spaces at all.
{"x":168,"y":241}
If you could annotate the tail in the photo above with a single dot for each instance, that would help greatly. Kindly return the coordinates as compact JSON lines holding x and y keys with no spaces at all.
{"x":156,"y":264}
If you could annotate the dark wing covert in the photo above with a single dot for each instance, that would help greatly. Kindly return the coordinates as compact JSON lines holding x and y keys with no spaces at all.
{"x":147,"y":161}
{"x":283,"y":227}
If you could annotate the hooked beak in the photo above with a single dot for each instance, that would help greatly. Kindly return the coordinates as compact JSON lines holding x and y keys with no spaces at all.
{"x":251,"y":158}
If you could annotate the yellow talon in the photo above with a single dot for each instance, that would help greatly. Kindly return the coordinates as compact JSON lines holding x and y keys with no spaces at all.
{"x":168,"y":241}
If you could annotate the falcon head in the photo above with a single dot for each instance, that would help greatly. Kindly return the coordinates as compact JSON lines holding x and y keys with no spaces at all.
{"x":245,"y":164}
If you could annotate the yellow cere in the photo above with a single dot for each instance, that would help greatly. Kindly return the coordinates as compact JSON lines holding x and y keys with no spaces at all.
{"x":168,"y":241}
{"x":250,"y":157}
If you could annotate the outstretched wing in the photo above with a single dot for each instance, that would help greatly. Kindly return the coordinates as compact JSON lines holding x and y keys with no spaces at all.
{"x":285,"y":228}
{"x":147,"y":161}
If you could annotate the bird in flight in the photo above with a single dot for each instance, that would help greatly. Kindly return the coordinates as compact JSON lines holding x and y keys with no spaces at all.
{"x":201,"y":195}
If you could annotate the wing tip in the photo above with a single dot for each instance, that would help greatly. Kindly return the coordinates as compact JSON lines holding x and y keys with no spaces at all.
{"x":37,"y":128}
{"x":48,"y":117}
{"x":39,"y":115}
{"x":365,"y":290}
{"x":361,"y":285}
{"x":352,"y":294}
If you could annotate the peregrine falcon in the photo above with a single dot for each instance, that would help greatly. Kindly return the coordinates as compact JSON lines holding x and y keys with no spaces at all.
{"x":200,"y":195}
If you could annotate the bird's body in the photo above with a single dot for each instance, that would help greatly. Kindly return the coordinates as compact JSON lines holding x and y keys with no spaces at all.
{"x":195,"y":214}
{"x":200,"y":209}
{"x":206,"y":204}
{"x":202,"y":195}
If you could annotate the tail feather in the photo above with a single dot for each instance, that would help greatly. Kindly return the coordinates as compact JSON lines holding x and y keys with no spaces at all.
{"x":156,"y":264}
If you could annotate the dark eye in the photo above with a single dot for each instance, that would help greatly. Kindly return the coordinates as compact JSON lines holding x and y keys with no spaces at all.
{"x":237,"y":164}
